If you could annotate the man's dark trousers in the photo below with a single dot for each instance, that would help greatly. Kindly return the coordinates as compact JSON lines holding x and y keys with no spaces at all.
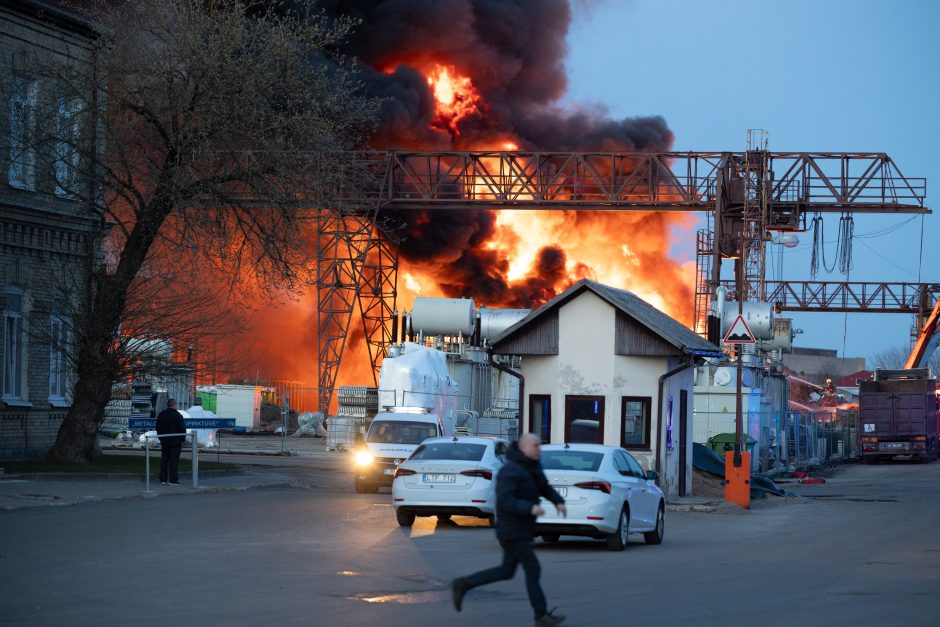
{"x":515,"y":552}
{"x":170,"y":462}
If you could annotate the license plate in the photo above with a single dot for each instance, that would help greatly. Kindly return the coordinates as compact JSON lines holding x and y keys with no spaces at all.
{"x":439,"y":478}
{"x":389,"y":471}
{"x":893,"y":444}
{"x":562,"y":492}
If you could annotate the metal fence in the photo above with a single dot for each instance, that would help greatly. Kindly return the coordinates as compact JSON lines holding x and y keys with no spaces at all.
{"x":781,"y":441}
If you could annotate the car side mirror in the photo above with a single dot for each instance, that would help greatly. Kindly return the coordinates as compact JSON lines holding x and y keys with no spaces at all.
{"x":652,"y":475}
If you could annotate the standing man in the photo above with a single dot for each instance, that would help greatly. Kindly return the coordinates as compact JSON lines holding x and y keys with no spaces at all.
{"x":170,"y":421}
{"x":519,"y":485}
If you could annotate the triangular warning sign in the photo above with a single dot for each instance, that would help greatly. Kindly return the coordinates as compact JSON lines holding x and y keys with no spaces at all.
{"x":739,"y":333}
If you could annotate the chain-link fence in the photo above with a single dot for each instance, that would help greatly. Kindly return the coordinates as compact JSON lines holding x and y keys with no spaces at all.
{"x":781,"y":441}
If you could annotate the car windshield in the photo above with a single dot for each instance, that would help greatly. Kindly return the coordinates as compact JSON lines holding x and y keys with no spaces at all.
{"x":400,"y":432}
{"x":450,"y":450}
{"x":569,"y":459}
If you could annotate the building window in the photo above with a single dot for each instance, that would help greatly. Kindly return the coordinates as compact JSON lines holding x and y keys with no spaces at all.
{"x":584,"y":419}
{"x":58,"y":358}
{"x":635,"y":415}
{"x":13,"y":343}
{"x":540,"y":416}
{"x":22,"y":172}
{"x":67,"y":156}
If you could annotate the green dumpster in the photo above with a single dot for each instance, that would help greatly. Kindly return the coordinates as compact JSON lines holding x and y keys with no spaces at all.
{"x":208,"y":400}
{"x":722,"y":442}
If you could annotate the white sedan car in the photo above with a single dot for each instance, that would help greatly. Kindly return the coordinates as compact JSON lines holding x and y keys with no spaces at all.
{"x":607,"y":493}
{"x":449,"y":476}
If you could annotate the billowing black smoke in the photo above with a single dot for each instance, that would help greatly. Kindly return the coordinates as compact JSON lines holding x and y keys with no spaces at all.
{"x":514,"y":52}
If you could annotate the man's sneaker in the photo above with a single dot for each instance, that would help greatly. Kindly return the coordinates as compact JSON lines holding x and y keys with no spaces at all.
{"x":550,"y":618}
{"x":174,"y":483}
{"x":459,"y":588}
{"x":163,"y":483}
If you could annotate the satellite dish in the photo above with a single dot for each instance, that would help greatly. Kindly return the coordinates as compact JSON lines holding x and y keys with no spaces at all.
{"x":747,"y":377}
{"x":722,"y":376}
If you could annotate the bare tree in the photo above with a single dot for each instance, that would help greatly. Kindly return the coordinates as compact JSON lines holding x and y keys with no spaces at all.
{"x":895,"y":357}
{"x":204,"y":129}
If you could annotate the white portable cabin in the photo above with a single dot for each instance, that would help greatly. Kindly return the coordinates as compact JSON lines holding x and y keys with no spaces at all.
{"x":241,"y":402}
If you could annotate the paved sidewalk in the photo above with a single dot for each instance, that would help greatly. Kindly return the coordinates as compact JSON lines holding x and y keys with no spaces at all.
{"x":35,"y":490}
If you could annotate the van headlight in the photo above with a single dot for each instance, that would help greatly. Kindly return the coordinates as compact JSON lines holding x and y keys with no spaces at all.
{"x":364,"y":458}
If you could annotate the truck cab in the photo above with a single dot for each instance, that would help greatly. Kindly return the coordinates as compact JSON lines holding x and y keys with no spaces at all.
{"x":392,"y":437}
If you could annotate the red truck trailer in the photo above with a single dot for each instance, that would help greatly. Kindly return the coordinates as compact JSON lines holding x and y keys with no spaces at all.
{"x":898,"y":416}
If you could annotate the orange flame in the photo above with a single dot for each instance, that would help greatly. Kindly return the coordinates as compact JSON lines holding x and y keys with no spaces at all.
{"x":455,"y":96}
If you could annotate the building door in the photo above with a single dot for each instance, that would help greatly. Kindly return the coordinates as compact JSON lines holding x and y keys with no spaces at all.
{"x":584,"y":419}
{"x":683,"y":438}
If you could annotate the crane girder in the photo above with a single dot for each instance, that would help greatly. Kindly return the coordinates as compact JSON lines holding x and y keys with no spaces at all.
{"x":798,"y":182}
{"x":844,"y":296}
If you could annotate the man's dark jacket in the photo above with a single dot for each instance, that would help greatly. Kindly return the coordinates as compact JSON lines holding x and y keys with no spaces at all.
{"x":519,"y":484}
{"x":171,"y":421}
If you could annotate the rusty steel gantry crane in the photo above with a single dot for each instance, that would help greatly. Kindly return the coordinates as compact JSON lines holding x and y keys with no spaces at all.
{"x":745,"y":195}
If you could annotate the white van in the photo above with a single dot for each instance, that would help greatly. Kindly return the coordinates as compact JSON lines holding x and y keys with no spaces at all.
{"x":394,"y":435}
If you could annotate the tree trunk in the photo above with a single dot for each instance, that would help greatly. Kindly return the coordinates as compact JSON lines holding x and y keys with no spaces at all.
{"x":77,"y":440}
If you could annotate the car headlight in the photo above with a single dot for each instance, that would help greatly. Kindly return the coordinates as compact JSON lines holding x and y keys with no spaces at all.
{"x":364,"y":458}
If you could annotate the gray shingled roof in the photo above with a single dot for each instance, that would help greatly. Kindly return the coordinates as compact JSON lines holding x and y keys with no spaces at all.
{"x":666,"y":327}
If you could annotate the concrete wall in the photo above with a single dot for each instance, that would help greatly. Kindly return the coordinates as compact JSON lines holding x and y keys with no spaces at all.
{"x":586,"y":365}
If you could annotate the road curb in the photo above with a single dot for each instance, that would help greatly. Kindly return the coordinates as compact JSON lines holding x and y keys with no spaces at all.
{"x":112,"y":476}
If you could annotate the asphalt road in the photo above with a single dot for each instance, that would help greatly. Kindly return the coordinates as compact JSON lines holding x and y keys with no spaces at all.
{"x":862,"y":550}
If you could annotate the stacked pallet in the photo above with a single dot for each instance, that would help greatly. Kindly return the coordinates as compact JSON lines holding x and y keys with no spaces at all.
{"x":357,"y":406}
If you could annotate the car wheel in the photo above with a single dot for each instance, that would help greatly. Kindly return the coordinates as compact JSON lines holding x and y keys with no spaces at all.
{"x":360,"y":486}
{"x":550,"y":538}
{"x":656,"y":535}
{"x":405,"y":519}
{"x":492,"y":520}
{"x":443,"y":517}
{"x":617,"y":541}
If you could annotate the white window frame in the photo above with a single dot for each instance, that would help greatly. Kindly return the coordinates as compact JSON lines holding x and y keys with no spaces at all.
{"x":13,"y":346}
{"x":58,"y":363}
{"x":23,"y":111}
{"x":67,"y":155}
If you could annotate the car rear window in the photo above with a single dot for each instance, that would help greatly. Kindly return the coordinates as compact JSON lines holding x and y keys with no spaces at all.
{"x":400,"y":432}
{"x":571,"y":460}
{"x":450,"y":450}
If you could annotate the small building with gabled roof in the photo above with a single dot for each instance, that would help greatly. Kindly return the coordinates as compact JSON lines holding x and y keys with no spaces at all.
{"x":601,"y":365}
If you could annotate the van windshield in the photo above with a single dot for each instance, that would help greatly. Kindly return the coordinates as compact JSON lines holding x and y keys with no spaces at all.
{"x":400,"y":432}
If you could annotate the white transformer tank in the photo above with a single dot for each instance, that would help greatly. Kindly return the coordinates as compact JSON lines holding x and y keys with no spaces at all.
{"x":495,"y":321}
{"x":758,"y":316}
{"x":418,"y":377}
{"x":442,"y":316}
